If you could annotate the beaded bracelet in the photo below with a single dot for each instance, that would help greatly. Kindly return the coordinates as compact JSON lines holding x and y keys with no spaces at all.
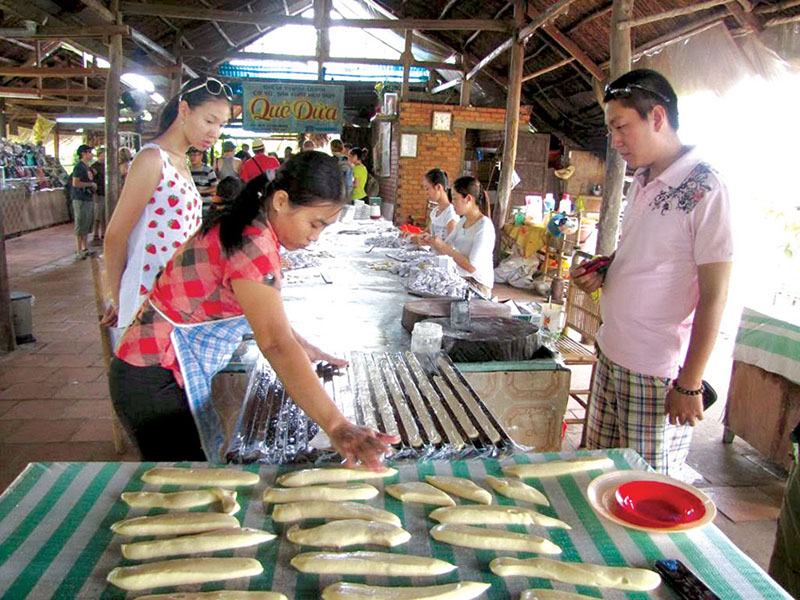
{"x":686,"y":392}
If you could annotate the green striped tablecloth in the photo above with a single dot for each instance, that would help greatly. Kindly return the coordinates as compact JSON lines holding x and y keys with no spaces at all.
{"x":769,"y":343}
{"x":55,"y":540}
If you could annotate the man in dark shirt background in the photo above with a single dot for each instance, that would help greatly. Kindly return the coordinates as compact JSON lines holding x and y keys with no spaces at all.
{"x":83,"y":187}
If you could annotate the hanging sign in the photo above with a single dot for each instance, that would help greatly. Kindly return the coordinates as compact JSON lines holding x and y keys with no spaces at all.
{"x":293,"y":107}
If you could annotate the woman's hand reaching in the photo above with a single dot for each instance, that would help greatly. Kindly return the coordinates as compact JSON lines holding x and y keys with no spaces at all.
{"x":361,"y":445}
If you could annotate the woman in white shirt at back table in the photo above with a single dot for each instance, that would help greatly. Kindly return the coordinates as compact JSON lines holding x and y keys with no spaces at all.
{"x":443,"y":217}
{"x":471,"y":243}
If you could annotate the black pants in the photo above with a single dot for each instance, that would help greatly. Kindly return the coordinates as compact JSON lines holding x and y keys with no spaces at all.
{"x":153,"y":409}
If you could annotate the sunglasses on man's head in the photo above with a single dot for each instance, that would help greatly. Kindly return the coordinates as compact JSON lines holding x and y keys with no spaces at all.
{"x":610,"y":93}
{"x":213,"y":86}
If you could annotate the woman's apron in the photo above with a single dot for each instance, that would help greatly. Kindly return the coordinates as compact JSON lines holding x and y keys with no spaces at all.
{"x":203,"y":350}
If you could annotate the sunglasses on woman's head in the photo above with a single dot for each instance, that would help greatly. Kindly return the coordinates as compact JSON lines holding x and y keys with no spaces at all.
{"x":213,"y":86}
{"x":612,"y":93}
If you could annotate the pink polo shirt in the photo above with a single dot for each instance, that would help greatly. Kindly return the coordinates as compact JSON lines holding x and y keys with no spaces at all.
{"x":674,"y":223}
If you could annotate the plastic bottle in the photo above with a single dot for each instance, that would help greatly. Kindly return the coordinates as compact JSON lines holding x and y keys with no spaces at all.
{"x":549,"y":203}
{"x":565,"y":205}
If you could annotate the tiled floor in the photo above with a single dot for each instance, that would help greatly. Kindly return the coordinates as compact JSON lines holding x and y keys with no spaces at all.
{"x":54,"y":401}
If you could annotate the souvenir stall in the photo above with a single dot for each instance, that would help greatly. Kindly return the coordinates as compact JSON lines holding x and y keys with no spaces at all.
{"x":31,"y":188}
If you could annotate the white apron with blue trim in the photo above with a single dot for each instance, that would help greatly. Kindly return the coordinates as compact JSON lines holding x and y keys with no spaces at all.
{"x":203,"y":350}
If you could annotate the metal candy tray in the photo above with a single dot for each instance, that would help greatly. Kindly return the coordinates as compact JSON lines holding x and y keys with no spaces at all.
{"x":421,"y":397}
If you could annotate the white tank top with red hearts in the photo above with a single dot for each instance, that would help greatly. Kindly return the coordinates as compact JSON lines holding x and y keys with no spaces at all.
{"x":172,"y":215}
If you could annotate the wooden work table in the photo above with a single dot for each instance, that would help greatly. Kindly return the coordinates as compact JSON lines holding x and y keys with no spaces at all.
{"x":346,"y":304}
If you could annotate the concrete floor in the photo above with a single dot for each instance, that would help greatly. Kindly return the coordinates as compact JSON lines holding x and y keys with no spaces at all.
{"x":54,"y":403}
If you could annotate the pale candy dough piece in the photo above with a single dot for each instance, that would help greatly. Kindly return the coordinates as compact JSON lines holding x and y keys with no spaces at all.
{"x":516,"y":489}
{"x":558,"y":467}
{"x":385,"y":564}
{"x":621,"y":578}
{"x":335,"y":492}
{"x":183,"y":500}
{"x":417,"y":491}
{"x":537,"y":594}
{"x":460,"y":487}
{"x":349,"y":532}
{"x":183,"y":571}
{"x":211,"y":541}
{"x":463,"y":590}
{"x":318,"y":509}
{"x":493,"y":539}
{"x":476,"y":514}
{"x":216,"y":477}
{"x":331,"y":475}
{"x":174,"y":524}
{"x":221,"y":595}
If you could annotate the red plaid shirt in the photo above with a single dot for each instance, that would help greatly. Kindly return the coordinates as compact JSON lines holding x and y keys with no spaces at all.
{"x":195,"y":287}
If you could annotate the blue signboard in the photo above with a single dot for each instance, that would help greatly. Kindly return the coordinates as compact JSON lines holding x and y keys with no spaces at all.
{"x":293,"y":107}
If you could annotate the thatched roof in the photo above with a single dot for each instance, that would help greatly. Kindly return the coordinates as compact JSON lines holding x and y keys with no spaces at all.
{"x":562,"y":100}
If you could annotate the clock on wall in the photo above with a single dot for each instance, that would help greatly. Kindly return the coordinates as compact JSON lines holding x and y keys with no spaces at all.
{"x":442,"y":120}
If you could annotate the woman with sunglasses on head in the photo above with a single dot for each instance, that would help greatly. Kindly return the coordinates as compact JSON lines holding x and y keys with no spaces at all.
{"x":224,"y":281}
{"x":159,"y":207}
{"x":471,"y":242}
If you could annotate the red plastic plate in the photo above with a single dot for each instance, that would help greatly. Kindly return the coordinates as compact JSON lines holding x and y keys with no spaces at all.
{"x":656,"y":504}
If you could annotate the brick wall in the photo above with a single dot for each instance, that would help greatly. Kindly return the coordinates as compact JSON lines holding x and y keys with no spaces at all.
{"x":434,"y":149}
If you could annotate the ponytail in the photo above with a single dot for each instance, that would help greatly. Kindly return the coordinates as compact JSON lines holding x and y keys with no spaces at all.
{"x":236,"y":214}
{"x":470,"y":186}
{"x":308,"y":178}
{"x":168,"y":115}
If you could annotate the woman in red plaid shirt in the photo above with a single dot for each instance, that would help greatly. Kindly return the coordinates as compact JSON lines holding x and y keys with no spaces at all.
{"x":223,"y":281}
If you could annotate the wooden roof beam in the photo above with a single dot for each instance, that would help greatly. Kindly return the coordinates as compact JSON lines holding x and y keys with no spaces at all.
{"x":545,"y":70}
{"x":76,"y":31}
{"x":551,"y":12}
{"x":332,"y":59}
{"x":229,"y":16}
{"x":52,"y":102}
{"x":746,"y":19}
{"x":771,"y":8}
{"x":566,"y":42}
{"x":671,"y":14}
{"x":11,"y":90}
{"x":677,"y":35}
{"x":137,"y":36}
{"x":782,"y":21}
{"x":575,"y":51}
{"x":31,"y":12}
{"x":15,"y":40}
{"x":447,"y":85}
{"x":78,"y":71}
{"x":595,"y":14}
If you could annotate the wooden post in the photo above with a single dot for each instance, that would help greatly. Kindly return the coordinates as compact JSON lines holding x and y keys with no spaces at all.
{"x":615,"y":167}
{"x":175,"y":80}
{"x":321,"y":20}
{"x":466,"y":87}
{"x":56,"y":143}
{"x":512,"y":122}
{"x":38,"y":64}
{"x":7,"y":341}
{"x":112,"y":115}
{"x":407,"y":58}
{"x":2,"y":118}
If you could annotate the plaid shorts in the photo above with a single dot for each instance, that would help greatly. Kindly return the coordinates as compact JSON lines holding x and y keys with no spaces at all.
{"x":626,"y":410}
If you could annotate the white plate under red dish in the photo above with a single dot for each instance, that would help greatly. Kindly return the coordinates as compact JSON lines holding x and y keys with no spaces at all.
{"x":601,"y":494}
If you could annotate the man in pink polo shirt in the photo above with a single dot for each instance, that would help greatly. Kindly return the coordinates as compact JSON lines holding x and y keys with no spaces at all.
{"x":665,"y":289}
